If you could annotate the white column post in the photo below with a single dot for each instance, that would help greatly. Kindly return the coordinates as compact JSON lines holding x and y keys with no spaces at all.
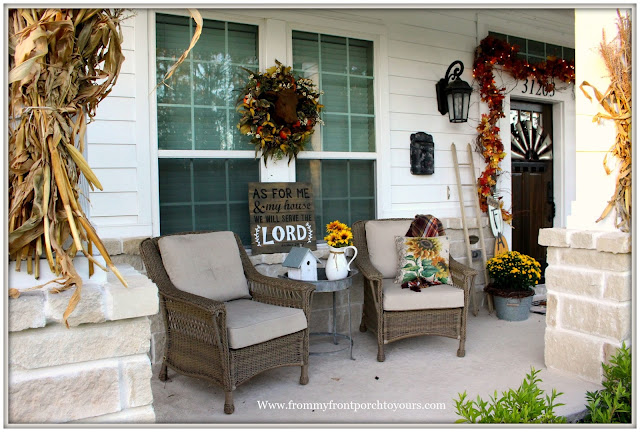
{"x":275,"y":48}
{"x":594,"y":187}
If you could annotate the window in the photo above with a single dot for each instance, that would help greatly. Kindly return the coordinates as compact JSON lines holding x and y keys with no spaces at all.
{"x":343,"y":173}
{"x":196,"y":114}
{"x":535,"y":51}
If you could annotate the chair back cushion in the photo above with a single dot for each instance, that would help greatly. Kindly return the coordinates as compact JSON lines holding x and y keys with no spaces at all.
{"x":206,"y":264}
{"x":250,"y":322}
{"x":381,"y":242}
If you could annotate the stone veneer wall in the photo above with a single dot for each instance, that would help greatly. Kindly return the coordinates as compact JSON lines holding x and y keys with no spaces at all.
{"x":98,"y":370}
{"x":126,"y":251}
{"x":588,"y":298}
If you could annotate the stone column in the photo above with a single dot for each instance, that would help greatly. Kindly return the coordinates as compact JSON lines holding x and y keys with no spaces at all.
{"x":96,"y":371}
{"x":588,"y":280}
{"x":588,"y":299}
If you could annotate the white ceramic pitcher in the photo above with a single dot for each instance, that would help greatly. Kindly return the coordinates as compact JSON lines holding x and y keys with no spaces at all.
{"x":337,"y":266}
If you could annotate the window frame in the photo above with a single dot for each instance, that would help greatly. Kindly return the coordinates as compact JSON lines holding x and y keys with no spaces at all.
{"x":293,"y":21}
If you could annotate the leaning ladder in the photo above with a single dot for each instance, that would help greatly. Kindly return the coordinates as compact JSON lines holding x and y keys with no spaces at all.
{"x":476,"y":205}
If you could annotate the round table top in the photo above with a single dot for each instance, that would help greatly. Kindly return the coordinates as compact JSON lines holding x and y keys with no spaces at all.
{"x":324,"y":285}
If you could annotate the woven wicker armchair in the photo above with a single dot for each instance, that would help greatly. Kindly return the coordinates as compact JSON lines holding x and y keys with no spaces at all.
{"x":392,"y":325}
{"x":199,"y":342}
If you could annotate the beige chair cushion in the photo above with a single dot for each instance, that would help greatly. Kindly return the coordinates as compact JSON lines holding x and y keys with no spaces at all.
{"x":207,"y":265}
{"x":381,"y":236}
{"x":395,"y":298}
{"x":250,"y":322}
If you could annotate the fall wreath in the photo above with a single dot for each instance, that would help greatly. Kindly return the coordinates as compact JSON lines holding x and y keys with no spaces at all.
{"x":278,"y":112}
{"x":494,"y":52}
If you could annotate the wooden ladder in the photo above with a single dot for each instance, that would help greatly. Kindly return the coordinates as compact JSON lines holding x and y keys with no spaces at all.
{"x":476,"y":205}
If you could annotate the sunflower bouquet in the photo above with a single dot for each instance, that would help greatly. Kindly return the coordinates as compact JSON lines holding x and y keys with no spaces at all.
{"x":338,"y":235}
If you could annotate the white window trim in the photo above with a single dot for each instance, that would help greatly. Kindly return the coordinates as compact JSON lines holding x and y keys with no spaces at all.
{"x":266,"y":22}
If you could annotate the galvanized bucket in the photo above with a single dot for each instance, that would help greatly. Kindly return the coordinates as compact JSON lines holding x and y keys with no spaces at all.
{"x":512,"y":309}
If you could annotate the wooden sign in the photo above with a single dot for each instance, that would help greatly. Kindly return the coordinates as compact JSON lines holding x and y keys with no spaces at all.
{"x":281,"y":215}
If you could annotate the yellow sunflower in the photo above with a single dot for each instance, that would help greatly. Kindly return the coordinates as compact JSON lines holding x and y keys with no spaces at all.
{"x":423,"y":248}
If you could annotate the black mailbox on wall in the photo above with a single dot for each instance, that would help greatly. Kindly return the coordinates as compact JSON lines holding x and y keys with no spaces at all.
{"x":422,"y":154}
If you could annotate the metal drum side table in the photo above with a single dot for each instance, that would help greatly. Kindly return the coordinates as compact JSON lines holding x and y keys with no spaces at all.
{"x":333,"y":286}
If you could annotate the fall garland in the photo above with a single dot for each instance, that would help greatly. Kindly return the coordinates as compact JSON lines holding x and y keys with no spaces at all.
{"x":278,"y":112}
{"x":494,"y":52}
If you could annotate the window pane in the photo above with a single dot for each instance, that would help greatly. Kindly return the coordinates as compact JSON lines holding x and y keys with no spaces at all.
{"x":363,"y":137}
{"x":335,"y":98}
{"x":568,"y":53}
{"x":360,"y":57}
{"x":211,"y":45}
{"x":334,"y":179}
{"x":346,"y":90}
{"x":554,"y":50}
{"x":363,"y":209}
{"x":305,"y":53}
{"x":243,"y":43}
{"x":239,"y":222}
{"x":520,"y":42}
{"x":211,"y":217}
{"x":335,"y":133}
{"x":211,"y":129}
{"x":178,"y":88}
{"x":241,"y":172}
{"x":172,"y":35}
{"x":535,"y":48}
{"x":210,"y":84}
{"x":174,"y":128}
{"x":220,"y":200}
{"x":334,"y":54}
{"x":208,"y":73}
{"x":209,"y":180}
{"x":174,"y":178}
{"x":361,"y":95}
{"x":343,"y":189}
{"x":175,"y":219}
{"x":362,"y":179}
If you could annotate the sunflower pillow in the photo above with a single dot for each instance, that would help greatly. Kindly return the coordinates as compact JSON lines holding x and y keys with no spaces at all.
{"x":422,"y":261}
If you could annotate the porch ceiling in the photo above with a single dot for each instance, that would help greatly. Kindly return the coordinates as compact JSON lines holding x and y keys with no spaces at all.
{"x":425,"y":369}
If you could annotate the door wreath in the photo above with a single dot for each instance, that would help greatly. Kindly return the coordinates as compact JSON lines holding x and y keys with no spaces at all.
{"x":278,"y":112}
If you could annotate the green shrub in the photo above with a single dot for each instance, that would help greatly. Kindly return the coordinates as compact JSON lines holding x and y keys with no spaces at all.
{"x":613,"y":403}
{"x":524,"y":405}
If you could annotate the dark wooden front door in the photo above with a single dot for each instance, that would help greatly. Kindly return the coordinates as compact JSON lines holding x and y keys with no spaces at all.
{"x":532,"y":177}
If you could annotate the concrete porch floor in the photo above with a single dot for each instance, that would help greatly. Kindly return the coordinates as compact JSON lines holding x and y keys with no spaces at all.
{"x":417,"y":370}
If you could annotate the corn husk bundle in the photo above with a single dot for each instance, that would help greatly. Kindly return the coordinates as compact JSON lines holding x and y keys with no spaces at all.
{"x":616,"y":103}
{"x":62,"y":63}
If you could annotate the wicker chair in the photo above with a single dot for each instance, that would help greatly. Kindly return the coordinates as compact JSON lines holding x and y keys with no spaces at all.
{"x":197,"y":340}
{"x":392,"y":325}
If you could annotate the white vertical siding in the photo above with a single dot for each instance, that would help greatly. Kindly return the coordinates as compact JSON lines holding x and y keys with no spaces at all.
{"x":116,"y":152}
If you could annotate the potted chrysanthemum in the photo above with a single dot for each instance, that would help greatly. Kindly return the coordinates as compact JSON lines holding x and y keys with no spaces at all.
{"x":514,"y":276}
{"x":339,"y":238}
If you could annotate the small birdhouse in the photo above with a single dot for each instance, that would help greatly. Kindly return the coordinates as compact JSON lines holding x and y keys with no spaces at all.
{"x":302,"y":264}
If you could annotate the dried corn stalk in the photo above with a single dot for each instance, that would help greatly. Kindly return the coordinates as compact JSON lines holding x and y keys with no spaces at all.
{"x":63,"y":62}
{"x":616,"y":103}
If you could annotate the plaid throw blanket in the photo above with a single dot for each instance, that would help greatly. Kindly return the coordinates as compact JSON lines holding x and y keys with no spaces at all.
{"x":425,"y":226}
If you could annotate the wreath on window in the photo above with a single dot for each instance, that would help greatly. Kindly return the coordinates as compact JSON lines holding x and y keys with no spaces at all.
{"x":278,"y":112}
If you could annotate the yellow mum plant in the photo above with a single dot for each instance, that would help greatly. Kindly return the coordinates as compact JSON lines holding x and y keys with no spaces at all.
{"x":513,"y":271}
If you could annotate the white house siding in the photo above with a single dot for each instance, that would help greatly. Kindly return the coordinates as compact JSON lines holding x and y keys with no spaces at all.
{"x":417,"y":46}
{"x":118,"y":143}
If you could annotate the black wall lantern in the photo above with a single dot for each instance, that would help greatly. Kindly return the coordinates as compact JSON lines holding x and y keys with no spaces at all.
{"x":453,"y":97}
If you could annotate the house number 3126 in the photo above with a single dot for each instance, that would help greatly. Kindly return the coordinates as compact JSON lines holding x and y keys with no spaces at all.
{"x":530,"y":86}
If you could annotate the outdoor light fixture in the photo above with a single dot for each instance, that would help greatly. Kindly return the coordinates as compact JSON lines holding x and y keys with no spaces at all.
{"x":453,"y":97}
